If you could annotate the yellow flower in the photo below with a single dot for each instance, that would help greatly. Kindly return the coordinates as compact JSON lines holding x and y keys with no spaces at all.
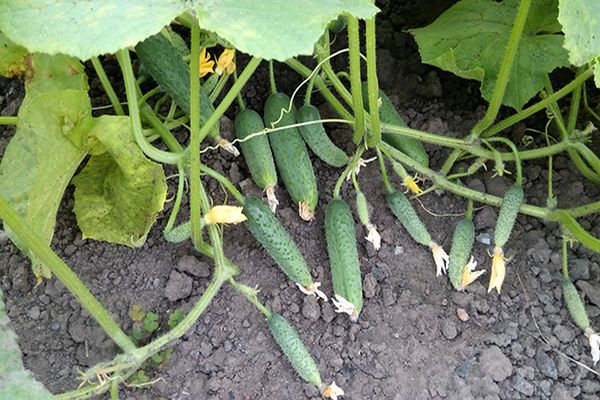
{"x":224,"y":215}
{"x":225,"y":62}
{"x":498,"y":270}
{"x":469,"y":274}
{"x":412,"y":185}
{"x":206,"y":64}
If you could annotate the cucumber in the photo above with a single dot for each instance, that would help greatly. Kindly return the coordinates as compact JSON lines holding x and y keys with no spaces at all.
{"x":513,"y":198}
{"x":462,"y":244}
{"x":362,"y":209}
{"x":290,"y":343}
{"x":389,"y":115}
{"x":315,"y":136}
{"x":406,"y":214}
{"x":164,"y":62}
{"x":273,"y":237}
{"x":179,"y":234}
{"x":343,"y":257}
{"x":291,"y":156}
{"x":575,"y":304}
{"x":257,"y":153}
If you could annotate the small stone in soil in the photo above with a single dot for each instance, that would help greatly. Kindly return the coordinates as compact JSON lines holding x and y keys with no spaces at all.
{"x":449,"y":329}
{"x":561,"y":393}
{"x":178,"y":287}
{"x":370,"y":286}
{"x":546,"y":364}
{"x":462,"y":314}
{"x":310,"y":308}
{"x":522,"y":386}
{"x":495,"y":364}
{"x":564,"y":334}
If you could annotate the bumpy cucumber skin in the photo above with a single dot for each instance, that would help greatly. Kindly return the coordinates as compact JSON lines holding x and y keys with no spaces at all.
{"x":257,"y":151}
{"x":290,"y":343}
{"x":269,"y":232}
{"x":508,"y":214}
{"x":289,"y":150}
{"x":315,"y":136}
{"x":343,"y":255}
{"x":575,"y":304}
{"x":462,"y":244}
{"x":389,"y":115}
{"x":164,"y":63}
{"x":406,"y":214}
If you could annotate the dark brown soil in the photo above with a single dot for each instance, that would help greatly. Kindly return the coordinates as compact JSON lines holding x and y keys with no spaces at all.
{"x":409,"y":342}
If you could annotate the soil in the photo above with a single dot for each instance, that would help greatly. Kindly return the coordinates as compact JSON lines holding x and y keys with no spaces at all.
{"x":417,"y":338}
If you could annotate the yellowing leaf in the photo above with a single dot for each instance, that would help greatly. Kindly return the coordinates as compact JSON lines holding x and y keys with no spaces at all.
{"x":118,"y":193}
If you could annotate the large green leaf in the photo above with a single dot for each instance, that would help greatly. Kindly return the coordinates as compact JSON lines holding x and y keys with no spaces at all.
{"x":84,"y":28}
{"x":580,"y":20}
{"x":275,"y":29}
{"x":16,"y":383}
{"x":41,"y":159}
{"x":118,"y":193}
{"x":470,"y":38}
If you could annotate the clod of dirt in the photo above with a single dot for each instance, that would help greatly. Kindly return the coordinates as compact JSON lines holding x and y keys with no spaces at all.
{"x":546,"y":364}
{"x":495,"y":364}
{"x":191,"y":265}
{"x":311,"y":309}
{"x":179,"y":286}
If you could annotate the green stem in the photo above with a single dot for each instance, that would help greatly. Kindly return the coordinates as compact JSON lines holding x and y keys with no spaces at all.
{"x":331,"y":75}
{"x":555,"y":109}
{"x":565,"y":259}
{"x":587,"y":107}
{"x":535,"y":211}
{"x":544,"y":103}
{"x":160,"y":128}
{"x":58,"y":267}
{"x":239,"y":97}
{"x":355,"y":79}
{"x":219,"y":88}
{"x":469,"y":213}
{"x":8,"y":120}
{"x":251,"y":296}
{"x":384,"y":175}
{"x":195,"y":139}
{"x":322,"y":87}
{"x":309,"y":89}
{"x":349,"y":168}
{"x":462,"y":145}
{"x":108,"y":88}
{"x":272,"y":78}
{"x":178,"y":198}
{"x":134,"y":114}
{"x":505,"y":69}
{"x":574,"y":110}
{"x":519,"y":177}
{"x":144,"y":98}
{"x":373,"y":84}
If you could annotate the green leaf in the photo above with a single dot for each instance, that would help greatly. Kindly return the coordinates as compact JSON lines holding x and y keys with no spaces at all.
{"x":41,"y":159}
{"x":16,"y":383}
{"x":84,"y":29}
{"x":175,"y":318}
{"x":579,"y":19}
{"x":275,"y":29}
{"x":470,"y":38}
{"x":151,"y":322}
{"x":136,"y":312}
{"x":118,"y":193}
{"x":12,"y":58}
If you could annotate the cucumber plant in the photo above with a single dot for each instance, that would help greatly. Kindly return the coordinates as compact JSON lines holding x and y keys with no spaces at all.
{"x":56,"y":122}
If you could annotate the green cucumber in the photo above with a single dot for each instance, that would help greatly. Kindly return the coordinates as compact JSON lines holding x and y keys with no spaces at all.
{"x":389,"y":115}
{"x":269,"y":232}
{"x":343,"y":255}
{"x":462,"y":244}
{"x":509,"y":209}
{"x":257,"y":152}
{"x":315,"y":136}
{"x":290,"y":343}
{"x":164,"y":62}
{"x":575,"y":304}
{"x":406,"y":214}
{"x":291,"y":156}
